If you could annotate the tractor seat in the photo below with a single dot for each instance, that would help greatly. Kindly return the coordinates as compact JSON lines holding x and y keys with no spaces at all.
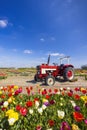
{"x":55,"y":64}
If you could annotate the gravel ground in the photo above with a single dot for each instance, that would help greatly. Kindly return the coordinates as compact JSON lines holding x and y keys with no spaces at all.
{"x":27,"y":81}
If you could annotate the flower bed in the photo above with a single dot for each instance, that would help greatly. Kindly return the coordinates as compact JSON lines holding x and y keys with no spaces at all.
{"x":3,"y":75}
{"x":58,"y":109}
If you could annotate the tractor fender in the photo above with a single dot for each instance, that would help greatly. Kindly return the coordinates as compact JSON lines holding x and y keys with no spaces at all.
{"x":66,"y":66}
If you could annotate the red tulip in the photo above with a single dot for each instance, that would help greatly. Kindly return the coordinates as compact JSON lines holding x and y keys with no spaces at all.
{"x":70,"y":94}
{"x":55,"y":90}
{"x":44,"y":92}
{"x":18,"y":107}
{"x":9,"y":94}
{"x":29,"y":103}
{"x":84,"y":91}
{"x":38,"y":128}
{"x":3,"y":108}
{"x":50,"y":90}
{"x":51,"y":123}
{"x":47,"y":96}
{"x":64,"y":89}
{"x":36,"y":99}
{"x":28,"y":90}
{"x":3,"y":96}
{"x":76,"y":96}
{"x":16,"y":92}
{"x":78,"y":116}
{"x":76,"y":89}
{"x":23,"y":111}
{"x":31,"y":88}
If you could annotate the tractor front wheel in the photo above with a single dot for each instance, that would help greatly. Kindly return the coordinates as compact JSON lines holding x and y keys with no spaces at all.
{"x":68,"y":74}
{"x":36,"y":79}
{"x":50,"y":80}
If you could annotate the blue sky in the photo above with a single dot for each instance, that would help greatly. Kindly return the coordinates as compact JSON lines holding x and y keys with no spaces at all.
{"x":32,"y":29}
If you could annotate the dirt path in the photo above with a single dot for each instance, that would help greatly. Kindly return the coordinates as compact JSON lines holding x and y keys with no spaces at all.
{"x":27,"y":81}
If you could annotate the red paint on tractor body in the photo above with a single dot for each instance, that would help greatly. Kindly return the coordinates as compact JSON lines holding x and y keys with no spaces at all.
{"x":44,"y":70}
{"x":49,"y":73}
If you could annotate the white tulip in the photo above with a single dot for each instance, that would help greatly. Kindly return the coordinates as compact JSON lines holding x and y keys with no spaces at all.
{"x":61,"y":104}
{"x":68,"y":88}
{"x":1,"y":87}
{"x":61,"y":98}
{"x":31,"y":111}
{"x":58,"y":93}
{"x":61,"y":114}
{"x":5,"y":104}
{"x":36,"y":104}
{"x":44,"y":107}
{"x":61,"y":89}
{"x":40,"y":110}
{"x":11,"y":121}
{"x":73,"y":103}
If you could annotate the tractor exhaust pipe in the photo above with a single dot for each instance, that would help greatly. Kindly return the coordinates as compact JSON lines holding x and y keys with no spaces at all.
{"x":48,"y":61}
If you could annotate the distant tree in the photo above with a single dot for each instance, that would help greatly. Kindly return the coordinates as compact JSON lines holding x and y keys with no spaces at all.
{"x":84,"y":67}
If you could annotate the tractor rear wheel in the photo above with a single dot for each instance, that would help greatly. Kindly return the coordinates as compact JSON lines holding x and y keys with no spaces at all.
{"x":50,"y":80}
{"x":68,"y":74}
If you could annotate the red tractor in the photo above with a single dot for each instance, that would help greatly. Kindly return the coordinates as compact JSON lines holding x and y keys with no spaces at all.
{"x":49,"y":73}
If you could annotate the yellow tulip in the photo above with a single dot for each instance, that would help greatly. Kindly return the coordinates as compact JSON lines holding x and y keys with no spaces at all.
{"x":0,"y":92}
{"x":84,"y":98}
{"x":75,"y":127}
{"x":9,"y":111}
{"x":45,"y":100}
{"x":10,"y":100}
{"x":15,"y":87}
{"x":12,"y":116}
{"x":12,"y":90}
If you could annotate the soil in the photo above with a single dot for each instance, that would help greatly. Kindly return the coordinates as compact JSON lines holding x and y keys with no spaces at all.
{"x":27,"y":81}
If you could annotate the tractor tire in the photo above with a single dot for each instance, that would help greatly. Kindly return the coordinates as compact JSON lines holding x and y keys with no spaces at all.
{"x":36,"y":79}
{"x":50,"y":80}
{"x":68,"y":74}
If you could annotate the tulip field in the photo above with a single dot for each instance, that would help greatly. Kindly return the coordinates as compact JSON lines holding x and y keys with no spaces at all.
{"x":52,"y":109}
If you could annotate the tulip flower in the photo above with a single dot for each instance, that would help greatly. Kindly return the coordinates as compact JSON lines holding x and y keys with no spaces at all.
{"x":5,"y":104}
{"x":65,"y":126}
{"x":61,"y":114}
{"x":78,"y":116}
{"x":23,"y":111}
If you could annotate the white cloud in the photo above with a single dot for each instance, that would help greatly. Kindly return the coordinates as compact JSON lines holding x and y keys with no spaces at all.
{"x":3,"y":23}
{"x":57,"y":54}
{"x":27,"y":51}
{"x":42,"y":39}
